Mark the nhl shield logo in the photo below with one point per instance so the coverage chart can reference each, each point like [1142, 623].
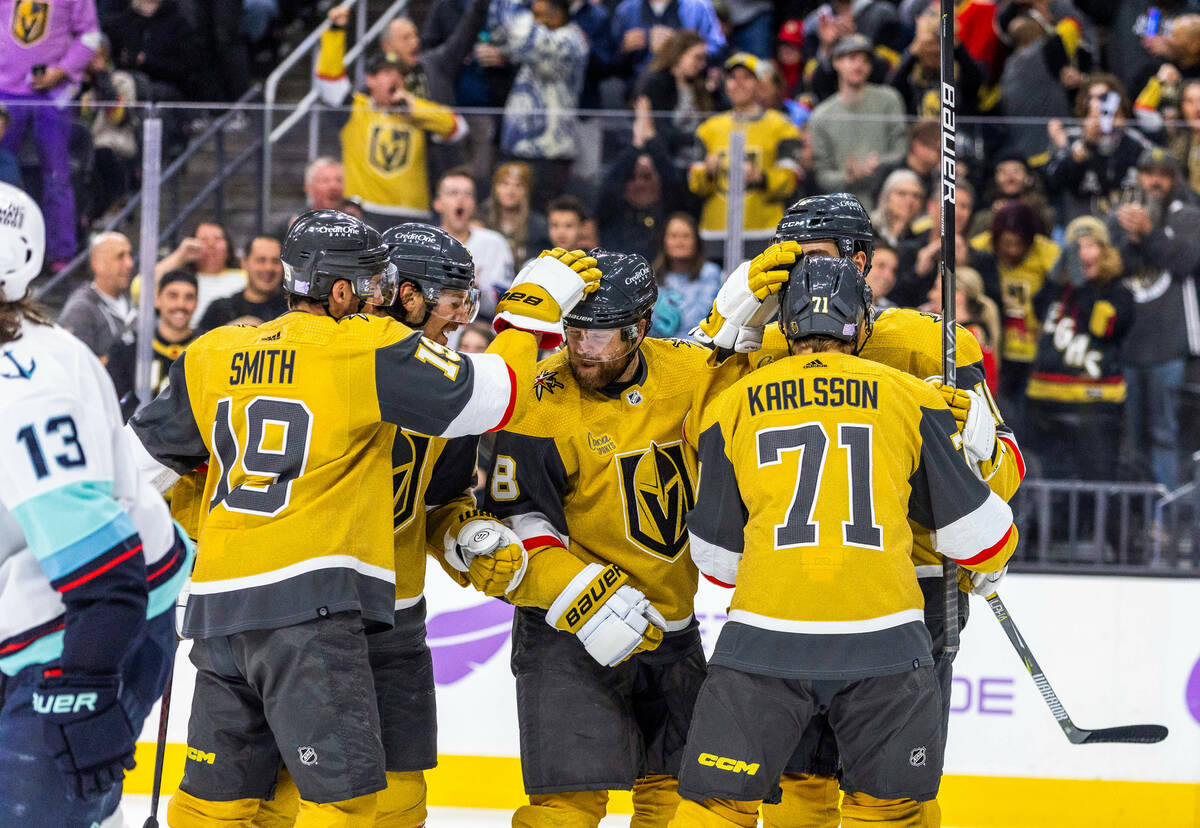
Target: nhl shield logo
[388, 152]
[917, 757]
[308, 756]
[29, 21]
[408, 466]
[657, 493]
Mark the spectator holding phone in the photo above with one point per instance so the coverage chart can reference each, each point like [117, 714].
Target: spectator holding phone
[44, 49]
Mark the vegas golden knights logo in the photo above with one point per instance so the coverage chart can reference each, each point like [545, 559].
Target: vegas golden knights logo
[29, 21]
[389, 148]
[408, 465]
[657, 492]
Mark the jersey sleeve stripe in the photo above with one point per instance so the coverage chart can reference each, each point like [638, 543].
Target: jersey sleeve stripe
[72, 525]
[493, 397]
[541, 540]
[979, 534]
[113, 561]
[1017, 457]
[715, 562]
[991, 550]
[713, 580]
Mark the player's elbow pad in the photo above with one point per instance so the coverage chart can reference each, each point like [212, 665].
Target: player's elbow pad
[982, 540]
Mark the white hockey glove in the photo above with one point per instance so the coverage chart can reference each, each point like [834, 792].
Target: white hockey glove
[748, 300]
[975, 421]
[985, 584]
[487, 552]
[544, 292]
[613, 620]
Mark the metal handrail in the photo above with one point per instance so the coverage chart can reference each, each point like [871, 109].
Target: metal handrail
[194, 146]
[270, 135]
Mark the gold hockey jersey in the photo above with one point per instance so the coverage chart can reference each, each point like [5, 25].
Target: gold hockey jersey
[811, 469]
[772, 144]
[608, 478]
[384, 150]
[290, 417]
[911, 341]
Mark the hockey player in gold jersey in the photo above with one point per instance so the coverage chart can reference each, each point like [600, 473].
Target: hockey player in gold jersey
[296, 557]
[432, 479]
[812, 467]
[837, 225]
[606, 651]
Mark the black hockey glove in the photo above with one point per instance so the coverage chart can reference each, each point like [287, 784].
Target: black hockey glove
[87, 731]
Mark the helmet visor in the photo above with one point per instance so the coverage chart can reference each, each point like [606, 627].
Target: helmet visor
[602, 344]
[456, 305]
[380, 288]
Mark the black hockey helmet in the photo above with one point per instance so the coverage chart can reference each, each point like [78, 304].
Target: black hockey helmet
[824, 296]
[325, 246]
[838, 216]
[439, 265]
[627, 293]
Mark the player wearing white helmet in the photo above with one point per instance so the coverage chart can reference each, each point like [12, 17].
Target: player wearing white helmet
[90, 563]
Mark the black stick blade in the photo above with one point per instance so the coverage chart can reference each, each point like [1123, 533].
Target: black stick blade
[1133, 734]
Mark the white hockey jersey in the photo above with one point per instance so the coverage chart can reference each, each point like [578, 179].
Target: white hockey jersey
[70, 493]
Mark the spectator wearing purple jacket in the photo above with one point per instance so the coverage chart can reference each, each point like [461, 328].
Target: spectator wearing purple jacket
[43, 51]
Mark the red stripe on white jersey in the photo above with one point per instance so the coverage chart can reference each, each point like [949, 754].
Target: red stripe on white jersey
[1012, 446]
[990, 551]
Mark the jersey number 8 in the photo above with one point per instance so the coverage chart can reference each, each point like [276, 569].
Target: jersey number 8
[278, 432]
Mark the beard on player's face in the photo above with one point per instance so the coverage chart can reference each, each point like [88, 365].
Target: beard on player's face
[596, 375]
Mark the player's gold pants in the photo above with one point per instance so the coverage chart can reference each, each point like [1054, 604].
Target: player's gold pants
[654, 801]
[187, 811]
[858, 810]
[809, 801]
[400, 805]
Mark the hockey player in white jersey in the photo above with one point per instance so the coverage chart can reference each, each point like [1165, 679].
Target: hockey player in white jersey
[90, 563]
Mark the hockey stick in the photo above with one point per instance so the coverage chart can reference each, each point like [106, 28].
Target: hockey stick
[949, 330]
[160, 750]
[1143, 734]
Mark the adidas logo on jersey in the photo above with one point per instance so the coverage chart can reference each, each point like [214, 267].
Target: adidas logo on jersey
[816, 363]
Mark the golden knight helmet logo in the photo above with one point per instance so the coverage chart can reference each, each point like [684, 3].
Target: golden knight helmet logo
[29, 21]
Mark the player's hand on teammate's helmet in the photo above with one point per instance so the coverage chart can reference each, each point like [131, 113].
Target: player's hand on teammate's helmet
[738, 314]
[611, 619]
[974, 417]
[580, 262]
[487, 552]
[769, 270]
[545, 290]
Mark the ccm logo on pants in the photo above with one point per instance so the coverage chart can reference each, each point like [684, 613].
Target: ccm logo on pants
[200, 756]
[726, 764]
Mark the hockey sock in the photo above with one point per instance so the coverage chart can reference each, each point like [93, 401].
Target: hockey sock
[860, 809]
[187, 811]
[655, 798]
[716, 813]
[809, 801]
[358, 812]
[571, 809]
[402, 803]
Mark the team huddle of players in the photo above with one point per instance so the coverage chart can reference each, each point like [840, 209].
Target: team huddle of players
[808, 465]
